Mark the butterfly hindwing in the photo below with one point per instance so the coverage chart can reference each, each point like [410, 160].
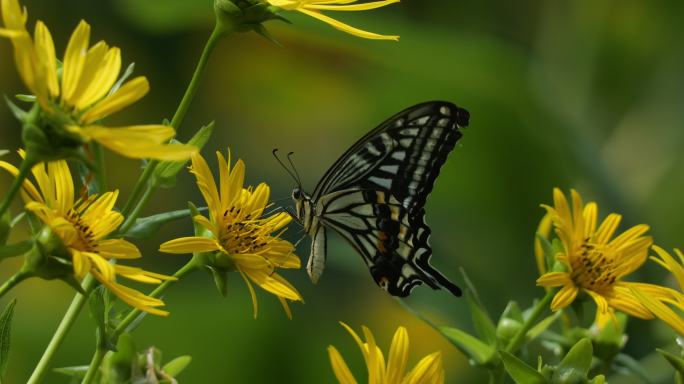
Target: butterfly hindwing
[374, 195]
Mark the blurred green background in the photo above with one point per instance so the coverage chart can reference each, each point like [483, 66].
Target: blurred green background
[579, 94]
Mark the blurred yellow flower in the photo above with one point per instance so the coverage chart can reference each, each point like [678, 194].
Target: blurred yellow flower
[595, 263]
[313, 8]
[83, 226]
[660, 307]
[239, 236]
[88, 91]
[429, 370]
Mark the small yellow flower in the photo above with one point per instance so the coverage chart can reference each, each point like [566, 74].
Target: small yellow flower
[239, 236]
[87, 92]
[313, 8]
[596, 262]
[660, 307]
[429, 370]
[83, 227]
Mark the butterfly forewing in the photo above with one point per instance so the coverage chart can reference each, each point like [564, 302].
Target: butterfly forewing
[375, 193]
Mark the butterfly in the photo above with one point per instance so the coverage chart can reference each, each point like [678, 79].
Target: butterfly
[374, 197]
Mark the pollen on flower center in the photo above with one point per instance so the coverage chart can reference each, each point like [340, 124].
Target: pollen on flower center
[240, 236]
[593, 268]
[85, 239]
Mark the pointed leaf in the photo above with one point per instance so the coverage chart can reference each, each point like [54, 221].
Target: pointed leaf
[5, 227]
[177, 365]
[675, 361]
[520, 372]
[127, 73]
[145, 227]
[483, 323]
[5, 335]
[77, 372]
[166, 171]
[473, 347]
[576, 364]
[18, 113]
[220, 280]
[542, 326]
[512, 311]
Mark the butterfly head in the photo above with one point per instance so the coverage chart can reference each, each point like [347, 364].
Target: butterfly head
[301, 200]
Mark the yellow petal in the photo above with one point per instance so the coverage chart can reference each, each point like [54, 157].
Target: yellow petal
[142, 141]
[255, 306]
[607, 228]
[63, 185]
[661, 311]
[133, 297]
[12, 15]
[117, 249]
[128, 94]
[347, 28]
[29, 191]
[376, 369]
[554, 279]
[340, 368]
[564, 297]
[189, 245]
[398, 356]
[206, 184]
[74, 60]
[352, 7]
[672, 265]
[102, 77]
[428, 370]
[272, 283]
[45, 51]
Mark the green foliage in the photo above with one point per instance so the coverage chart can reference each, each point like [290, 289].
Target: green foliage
[165, 173]
[145, 227]
[521, 372]
[5, 335]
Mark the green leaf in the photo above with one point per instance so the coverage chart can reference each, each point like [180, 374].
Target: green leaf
[220, 279]
[3, 152]
[473, 347]
[520, 372]
[145, 227]
[576, 364]
[512, 311]
[18, 113]
[78, 372]
[26, 98]
[675, 361]
[547, 247]
[5, 335]
[127, 73]
[166, 171]
[5, 227]
[542, 326]
[483, 323]
[177, 365]
[600, 379]
[118, 366]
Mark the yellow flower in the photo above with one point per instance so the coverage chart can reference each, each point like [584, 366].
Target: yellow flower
[595, 262]
[83, 226]
[313, 8]
[660, 307]
[429, 370]
[240, 237]
[88, 90]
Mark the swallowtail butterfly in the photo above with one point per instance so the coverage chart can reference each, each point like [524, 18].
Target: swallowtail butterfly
[374, 196]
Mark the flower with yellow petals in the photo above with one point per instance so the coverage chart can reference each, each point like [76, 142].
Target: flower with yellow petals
[429, 370]
[83, 227]
[595, 263]
[73, 103]
[661, 308]
[314, 9]
[238, 236]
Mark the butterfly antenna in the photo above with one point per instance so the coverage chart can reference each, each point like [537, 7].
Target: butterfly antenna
[289, 159]
[289, 172]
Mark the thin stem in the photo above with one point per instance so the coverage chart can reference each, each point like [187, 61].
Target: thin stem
[100, 174]
[143, 182]
[13, 280]
[24, 170]
[67, 322]
[100, 353]
[133, 314]
[133, 215]
[537, 311]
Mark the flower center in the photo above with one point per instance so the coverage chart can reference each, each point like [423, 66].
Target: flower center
[85, 238]
[593, 267]
[240, 236]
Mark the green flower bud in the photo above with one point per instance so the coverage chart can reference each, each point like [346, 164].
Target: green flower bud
[244, 16]
[507, 329]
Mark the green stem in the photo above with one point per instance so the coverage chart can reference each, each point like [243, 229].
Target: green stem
[12, 281]
[143, 182]
[67, 322]
[100, 175]
[537, 311]
[135, 213]
[24, 170]
[133, 314]
[100, 353]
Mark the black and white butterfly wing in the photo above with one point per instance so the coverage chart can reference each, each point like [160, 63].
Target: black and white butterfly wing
[374, 195]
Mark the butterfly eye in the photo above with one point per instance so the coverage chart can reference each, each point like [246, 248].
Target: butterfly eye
[297, 194]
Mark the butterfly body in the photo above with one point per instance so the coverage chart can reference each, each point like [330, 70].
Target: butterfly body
[374, 197]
